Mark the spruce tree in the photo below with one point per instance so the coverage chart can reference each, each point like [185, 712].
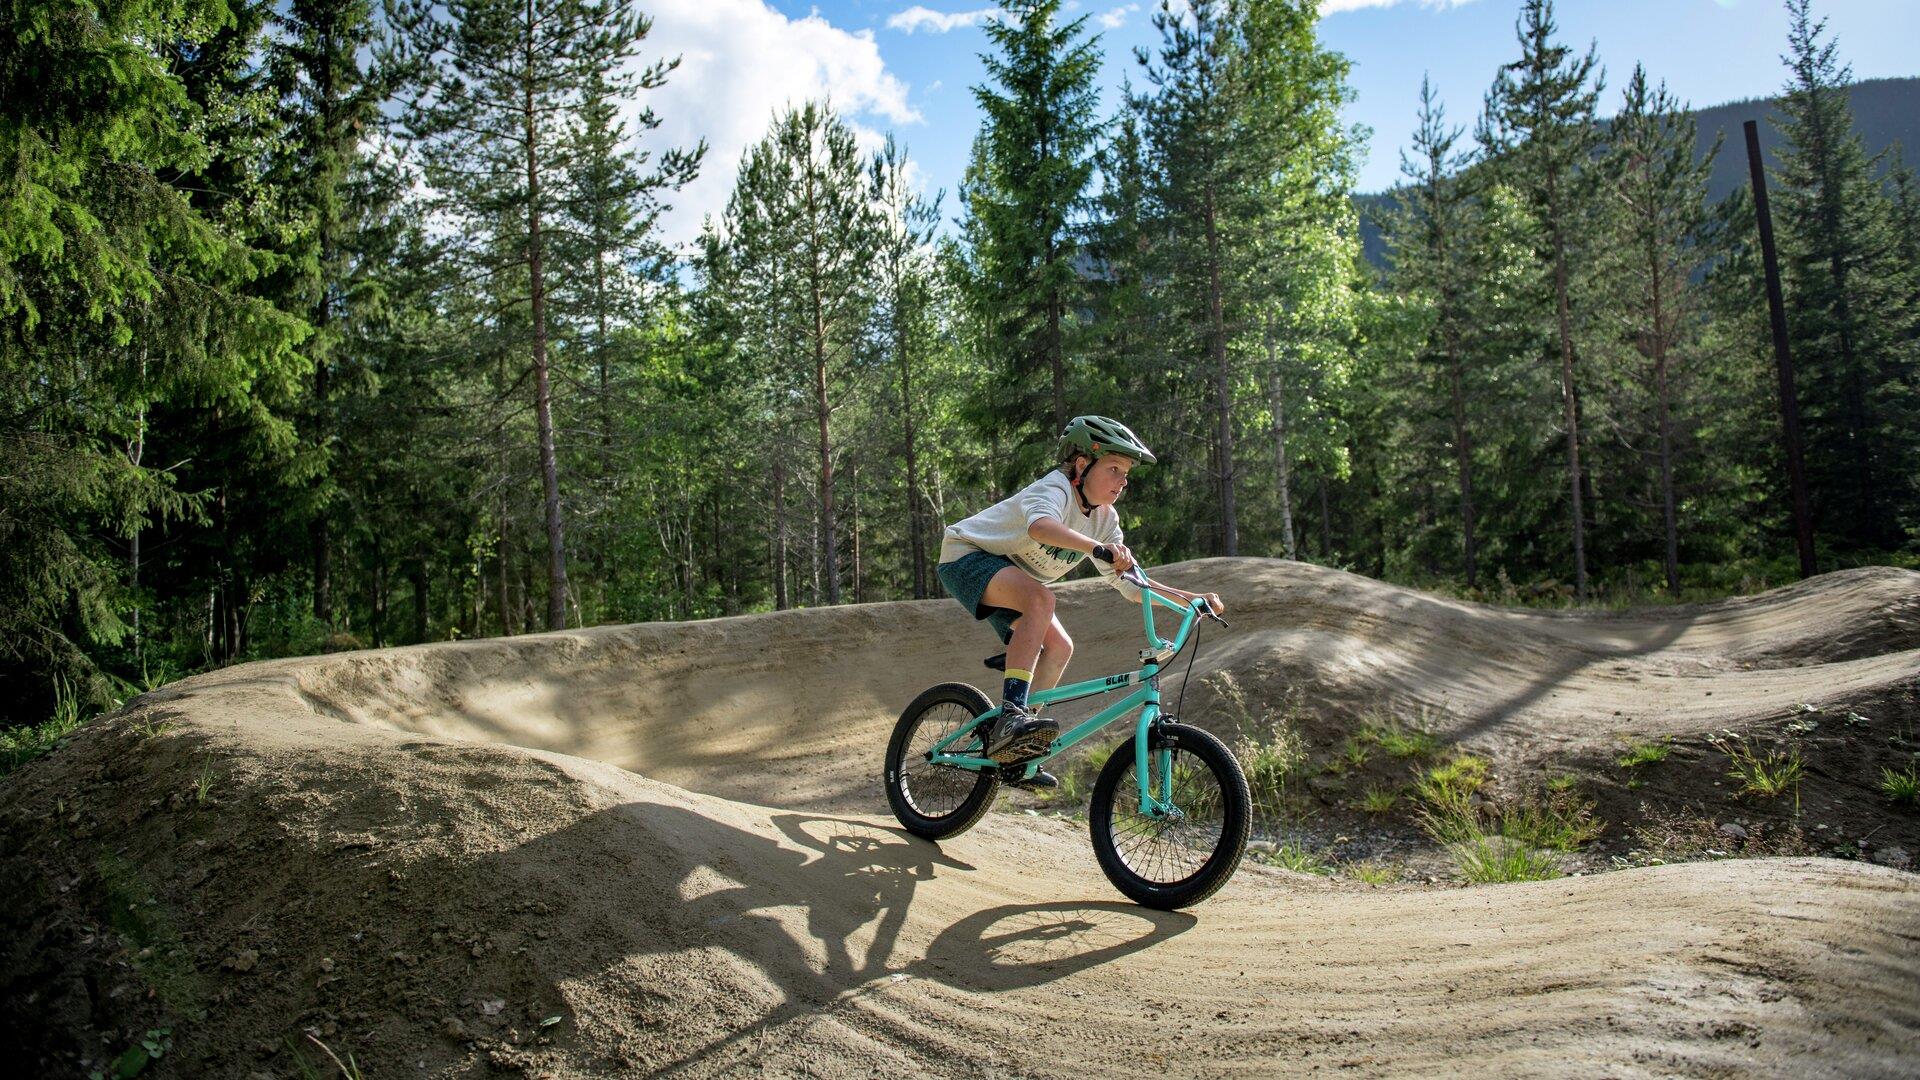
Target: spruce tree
[1023, 197]
[1189, 119]
[116, 294]
[1852, 334]
[905, 275]
[1429, 237]
[329, 102]
[1539, 123]
[1658, 190]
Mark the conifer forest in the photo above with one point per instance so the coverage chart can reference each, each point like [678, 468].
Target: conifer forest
[330, 324]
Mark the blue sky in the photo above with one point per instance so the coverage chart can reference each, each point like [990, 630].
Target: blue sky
[907, 67]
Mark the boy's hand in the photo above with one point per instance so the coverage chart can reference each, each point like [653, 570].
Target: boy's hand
[1213, 603]
[1117, 554]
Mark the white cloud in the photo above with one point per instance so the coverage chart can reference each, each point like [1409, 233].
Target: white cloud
[1335, 7]
[1115, 19]
[741, 62]
[918, 18]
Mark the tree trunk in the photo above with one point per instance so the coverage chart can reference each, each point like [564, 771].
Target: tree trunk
[853, 515]
[321, 542]
[1223, 381]
[780, 599]
[543, 389]
[1277, 404]
[420, 583]
[1570, 408]
[1463, 460]
[916, 539]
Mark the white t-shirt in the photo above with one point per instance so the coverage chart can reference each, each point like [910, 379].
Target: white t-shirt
[1001, 529]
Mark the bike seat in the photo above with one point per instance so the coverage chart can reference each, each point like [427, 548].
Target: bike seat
[997, 663]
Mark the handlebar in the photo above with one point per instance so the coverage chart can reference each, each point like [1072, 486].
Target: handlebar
[1135, 577]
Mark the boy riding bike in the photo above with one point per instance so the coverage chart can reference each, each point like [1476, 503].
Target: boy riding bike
[998, 564]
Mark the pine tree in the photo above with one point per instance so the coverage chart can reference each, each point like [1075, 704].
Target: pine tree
[1189, 119]
[1851, 333]
[904, 272]
[608, 244]
[487, 117]
[1294, 160]
[1027, 186]
[798, 244]
[1539, 122]
[329, 105]
[1429, 237]
[1658, 189]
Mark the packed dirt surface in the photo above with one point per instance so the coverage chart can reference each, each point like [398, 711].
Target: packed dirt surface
[664, 848]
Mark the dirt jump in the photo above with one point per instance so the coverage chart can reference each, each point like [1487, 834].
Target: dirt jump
[664, 849]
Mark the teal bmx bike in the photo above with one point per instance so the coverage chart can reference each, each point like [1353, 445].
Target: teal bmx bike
[1169, 812]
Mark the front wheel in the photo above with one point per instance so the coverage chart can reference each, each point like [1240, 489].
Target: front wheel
[1177, 860]
[938, 801]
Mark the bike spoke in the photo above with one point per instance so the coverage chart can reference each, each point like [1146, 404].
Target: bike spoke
[1166, 850]
[932, 789]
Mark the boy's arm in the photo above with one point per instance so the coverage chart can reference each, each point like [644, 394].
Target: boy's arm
[1053, 531]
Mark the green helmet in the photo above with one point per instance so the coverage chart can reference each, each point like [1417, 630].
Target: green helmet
[1097, 436]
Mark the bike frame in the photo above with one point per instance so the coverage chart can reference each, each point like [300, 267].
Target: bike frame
[1146, 699]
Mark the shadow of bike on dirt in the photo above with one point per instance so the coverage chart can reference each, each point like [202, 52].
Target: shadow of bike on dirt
[814, 909]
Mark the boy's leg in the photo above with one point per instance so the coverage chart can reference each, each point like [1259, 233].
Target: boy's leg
[1011, 588]
[1019, 734]
[1055, 650]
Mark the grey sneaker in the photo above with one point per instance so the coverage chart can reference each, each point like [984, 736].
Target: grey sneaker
[1018, 735]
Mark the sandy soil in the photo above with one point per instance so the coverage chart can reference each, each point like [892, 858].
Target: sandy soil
[672, 838]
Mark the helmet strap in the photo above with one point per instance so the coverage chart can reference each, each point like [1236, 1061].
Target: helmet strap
[1079, 478]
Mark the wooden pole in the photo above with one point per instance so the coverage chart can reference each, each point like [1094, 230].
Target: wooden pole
[1783, 359]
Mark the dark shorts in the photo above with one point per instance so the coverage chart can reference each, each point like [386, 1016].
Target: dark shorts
[966, 580]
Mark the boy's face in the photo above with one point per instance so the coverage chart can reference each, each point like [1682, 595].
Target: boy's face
[1106, 479]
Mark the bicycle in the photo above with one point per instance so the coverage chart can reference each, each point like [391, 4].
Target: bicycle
[1169, 812]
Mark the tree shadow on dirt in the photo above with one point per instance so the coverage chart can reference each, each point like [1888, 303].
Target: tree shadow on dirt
[648, 888]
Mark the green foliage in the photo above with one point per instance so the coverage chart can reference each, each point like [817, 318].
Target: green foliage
[1644, 753]
[1024, 192]
[1371, 873]
[1855, 331]
[251, 404]
[1768, 774]
[1493, 841]
[1398, 738]
[1379, 800]
[1901, 787]
[1300, 860]
[19, 745]
[1496, 859]
[1269, 746]
[132, 1061]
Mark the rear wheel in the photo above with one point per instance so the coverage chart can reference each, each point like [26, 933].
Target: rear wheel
[1176, 860]
[938, 801]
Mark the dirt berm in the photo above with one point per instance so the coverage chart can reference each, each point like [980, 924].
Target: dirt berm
[663, 848]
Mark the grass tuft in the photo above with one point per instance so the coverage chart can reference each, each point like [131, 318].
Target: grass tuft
[22, 744]
[1770, 775]
[1399, 739]
[1496, 859]
[1371, 873]
[1493, 842]
[1646, 753]
[1291, 856]
[1379, 800]
[1270, 748]
[1903, 788]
